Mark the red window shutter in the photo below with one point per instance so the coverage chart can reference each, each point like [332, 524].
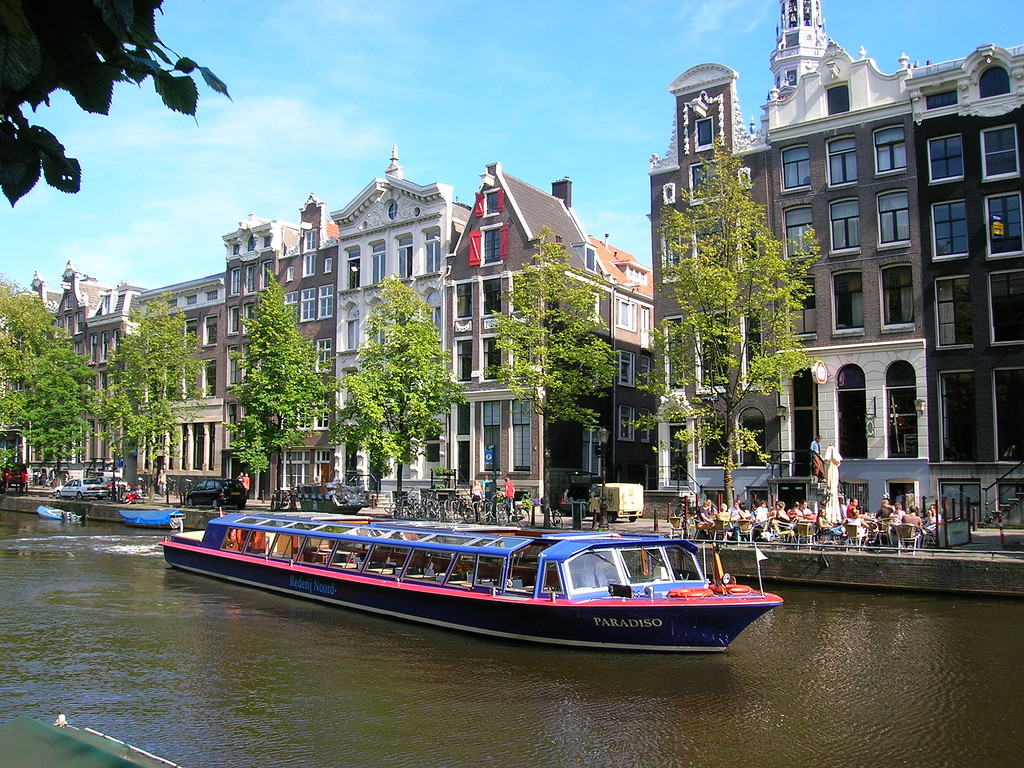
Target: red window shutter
[501, 200]
[504, 241]
[478, 207]
[474, 249]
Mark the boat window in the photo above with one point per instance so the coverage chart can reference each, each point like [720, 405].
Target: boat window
[645, 564]
[350, 555]
[306, 526]
[523, 565]
[386, 559]
[428, 565]
[336, 529]
[683, 564]
[594, 569]
[283, 545]
[315, 550]
[490, 572]
[234, 539]
[462, 571]
[257, 543]
[442, 538]
[552, 579]
[248, 520]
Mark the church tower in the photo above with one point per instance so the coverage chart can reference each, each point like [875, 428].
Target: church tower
[800, 42]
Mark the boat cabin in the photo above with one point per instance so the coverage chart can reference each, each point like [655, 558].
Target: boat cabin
[501, 562]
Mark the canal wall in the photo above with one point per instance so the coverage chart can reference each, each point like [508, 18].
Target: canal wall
[966, 572]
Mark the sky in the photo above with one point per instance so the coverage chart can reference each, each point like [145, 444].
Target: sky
[321, 89]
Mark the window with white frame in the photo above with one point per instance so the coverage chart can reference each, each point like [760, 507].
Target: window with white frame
[191, 300]
[492, 357]
[1007, 288]
[806, 318]
[378, 261]
[627, 417]
[897, 295]
[234, 368]
[326, 301]
[890, 149]
[212, 295]
[492, 245]
[309, 240]
[210, 378]
[290, 298]
[210, 330]
[994, 81]
[250, 278]
[893, 217]
[352, 328]
[433, 251]
[949, 228]
[1009, 407]
[309, 264]
[464, 360]
[295, 467]
[845, 220]
[796, 167]
[354, 264]
[464, 300]
[522, 438]
[328, 265]
[307, 304]
[953, 310]
[405, 256]
[494, 201]
[325, 354]
[625, 314]
[842, 161]
[267, 271]
[268, 240]
[946, 158]
[704, 130]
[627, 371]
[289, 274]
[798, 221]
[236, 281]
[999, 151]
[492, 296]
[848, 301]
[698, 175]
[1004, 231]
[644, 431]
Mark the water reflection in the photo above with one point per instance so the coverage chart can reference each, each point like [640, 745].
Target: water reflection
[213, 674]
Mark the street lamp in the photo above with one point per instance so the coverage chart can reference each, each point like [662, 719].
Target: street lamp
[602, 439]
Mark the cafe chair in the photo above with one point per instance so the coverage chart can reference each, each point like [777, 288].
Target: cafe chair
[804, 531]
[721, 531]
[779, 533]
[746, 530]
[856, 536]
[907, 537]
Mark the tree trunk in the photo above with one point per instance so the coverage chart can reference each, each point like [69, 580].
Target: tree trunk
[399, 469]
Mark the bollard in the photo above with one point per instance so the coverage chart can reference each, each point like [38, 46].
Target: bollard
[1002, 536]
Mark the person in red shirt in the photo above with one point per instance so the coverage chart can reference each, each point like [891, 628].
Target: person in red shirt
[510, 493]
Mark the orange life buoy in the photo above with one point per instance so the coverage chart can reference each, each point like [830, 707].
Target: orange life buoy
[739, 589]
[689, 592]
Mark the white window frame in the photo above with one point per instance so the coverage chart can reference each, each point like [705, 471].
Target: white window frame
[307, 305]
[890, 150]
[935, 234]
[309, 264]
[625, 428]
[985, 154]
[326, 301]
[832, 225]
[785, 165]
[934, 142]
[843, 155]
[894, 216]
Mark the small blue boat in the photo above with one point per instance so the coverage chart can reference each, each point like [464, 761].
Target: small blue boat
[172, 519]
[52, 513]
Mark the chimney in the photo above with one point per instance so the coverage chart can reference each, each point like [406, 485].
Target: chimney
[562, 189]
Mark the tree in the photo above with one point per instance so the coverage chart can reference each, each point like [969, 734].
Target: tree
[82, 47]
[403, 383]
[283, 391]
[553, 357]
[152, 382]
[26, 329]
[736, 291]
[58, 395]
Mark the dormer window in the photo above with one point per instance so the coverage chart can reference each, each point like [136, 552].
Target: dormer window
[495, 201]
[251, 244]
[994, 81]
[838, 99]
[705, 130]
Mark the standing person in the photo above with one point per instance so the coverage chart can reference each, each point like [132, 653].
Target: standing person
[510, 493]
[476, 496]
[245, 481]
[161, 483]
[817, 465]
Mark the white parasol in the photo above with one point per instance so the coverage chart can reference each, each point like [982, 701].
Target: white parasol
[832, 461]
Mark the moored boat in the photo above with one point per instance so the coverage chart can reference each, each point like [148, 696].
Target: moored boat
[52, 513]
[153, 518]
[595, 590]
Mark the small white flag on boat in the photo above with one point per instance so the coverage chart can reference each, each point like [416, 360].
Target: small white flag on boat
[759, 554]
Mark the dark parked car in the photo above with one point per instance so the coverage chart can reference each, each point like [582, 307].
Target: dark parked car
[217, 492]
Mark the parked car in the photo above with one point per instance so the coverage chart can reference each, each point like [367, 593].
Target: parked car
[217, 492]
[86, 488]
[15, 478]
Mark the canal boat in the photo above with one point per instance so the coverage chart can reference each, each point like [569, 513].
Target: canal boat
[52, 513]
[153, 518]
[581, 589]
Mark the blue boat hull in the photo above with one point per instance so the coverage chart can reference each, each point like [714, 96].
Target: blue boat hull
[708, 624]
[150, 518]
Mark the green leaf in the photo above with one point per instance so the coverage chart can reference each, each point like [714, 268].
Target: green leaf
[214, 82]
[178, 93]
[20, 61]
[185, 65]
[17, 179]
[64, 173]
[92, 86]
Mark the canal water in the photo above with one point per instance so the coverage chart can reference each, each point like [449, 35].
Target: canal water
[211, 675]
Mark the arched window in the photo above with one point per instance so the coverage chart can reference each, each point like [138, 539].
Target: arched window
[753, 420]
[901, 409]
[852, 405]
[352, 328]
[994, 81]
[434, 302]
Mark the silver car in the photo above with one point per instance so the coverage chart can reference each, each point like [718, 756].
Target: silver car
[86, 488]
